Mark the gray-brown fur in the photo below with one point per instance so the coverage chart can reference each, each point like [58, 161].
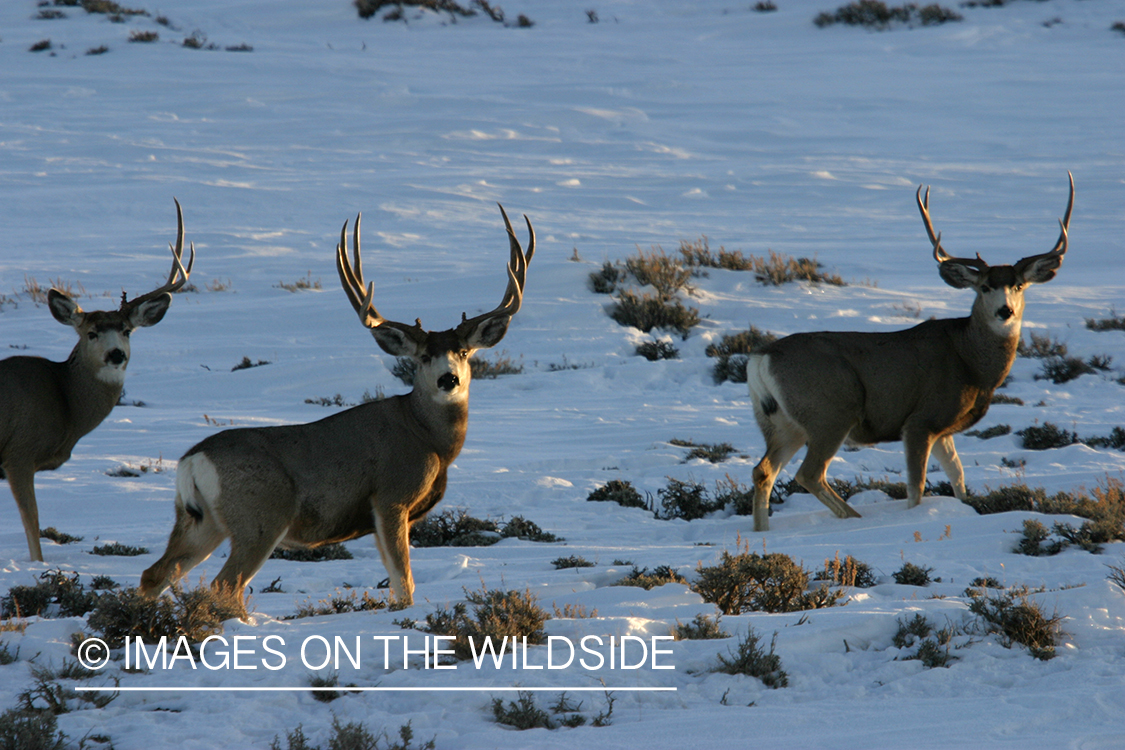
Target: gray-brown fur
[375, 468]
[46, 407]
[921, 385]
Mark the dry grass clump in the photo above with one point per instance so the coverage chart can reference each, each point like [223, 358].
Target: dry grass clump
[1017, 618]
[702, 628]
[752, 660]
[642, 578]
[57, 594]
[495, 614]
[847, 572]
[749, 582]
[195, 613]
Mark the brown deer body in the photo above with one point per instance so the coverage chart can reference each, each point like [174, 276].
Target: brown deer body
[921, 385]
[375, 468]
[46, 407]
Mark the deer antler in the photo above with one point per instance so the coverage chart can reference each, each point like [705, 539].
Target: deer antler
[939, 252]
[178, 276]
[1059, 249]
[351, 278]
[517, 273]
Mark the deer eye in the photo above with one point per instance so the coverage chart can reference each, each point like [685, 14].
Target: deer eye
[463, 353]
[1017, 288]
[426, 359]
[92, 335]
[126, 333]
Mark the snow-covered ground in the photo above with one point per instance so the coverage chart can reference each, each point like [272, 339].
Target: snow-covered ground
[662, 122]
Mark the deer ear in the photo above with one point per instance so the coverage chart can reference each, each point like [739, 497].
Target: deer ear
[63, 308]
[150, 312]
[958, 275]
[395, 342]
[488, 333]
[1039, 269]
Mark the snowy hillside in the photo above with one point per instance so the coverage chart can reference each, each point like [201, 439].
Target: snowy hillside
[615, 127]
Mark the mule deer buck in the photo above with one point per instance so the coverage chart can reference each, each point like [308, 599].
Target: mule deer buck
[378, 467]
[46, 407]
[919, 386]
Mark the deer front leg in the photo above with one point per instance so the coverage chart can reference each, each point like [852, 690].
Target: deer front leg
[946, 455]
[22, 481]
[392, 537]
[918, 444]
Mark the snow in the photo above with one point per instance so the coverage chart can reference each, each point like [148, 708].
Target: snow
[663, 122]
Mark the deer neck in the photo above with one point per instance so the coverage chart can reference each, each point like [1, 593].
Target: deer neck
[443, 424]
[988, 349]
[89, 398]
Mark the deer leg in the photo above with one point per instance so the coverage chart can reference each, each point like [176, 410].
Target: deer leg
[918, 445]
[392, 537]
[191, 542]
[946, 455]
[812, 474]
[22, 481]
[249, 550]
[779, 452]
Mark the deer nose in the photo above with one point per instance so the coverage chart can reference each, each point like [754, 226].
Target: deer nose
[1005, 312]
[115, 357]
[448, 381]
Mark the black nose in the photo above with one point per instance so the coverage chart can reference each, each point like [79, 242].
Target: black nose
[1005, 312]
[448, 381]
[115, 357]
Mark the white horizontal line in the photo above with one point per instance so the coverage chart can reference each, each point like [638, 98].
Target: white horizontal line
[341, 688]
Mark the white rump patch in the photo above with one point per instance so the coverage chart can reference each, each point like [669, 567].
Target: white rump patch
[198, 472]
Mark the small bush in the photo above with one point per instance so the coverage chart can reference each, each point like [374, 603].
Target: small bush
[751, 582]
[646, 312]
[1061, 370]
[55, 590]
[659, 576]
[667, 275]
[21, 729]
[522, 713]
[1000, 398]
[454, 528]
[496, 614]
[728, 492]
[573, 561]
[1016, 618]
[194, 613]
[618, 491]
[1045, 437]
[686, 500]
[334, 551]
[781, 269]
[874, 14]
[913, 575]
[518, 527]
[341, 604]
[732, 351]
[932, 652]
[702, 628]
[483, 369]
[657, 350]
[1114, 322]
[606, 280]
[247, 363]
[751, 660]
[101, 49]
[58, 537]
[991, 432]
[1040, 347]
[1036, 540]
[40, 46]
[712, 452]
[1115, 440]
[847, 572]
[117, 549]
[143, 36]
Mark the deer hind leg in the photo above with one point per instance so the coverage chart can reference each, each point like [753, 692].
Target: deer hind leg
[248, 553]
[946, 455]
[22, 481]
[782, 443]
[813, 471]
[392, 537]
[194, 537]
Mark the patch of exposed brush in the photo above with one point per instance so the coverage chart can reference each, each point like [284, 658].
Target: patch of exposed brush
[775, 269]
[749, 582]
[1114, 322]
[1045, 437]
[656, 350]
[1017, 618]
[647, 580]
[645, 312]
[324, 552]
[56, 594]
[712, 452]
[877, 15]
[621, 492]
[193, 613]
[58, 537]
[572, 561]
[932, 645]
[732, 352]
[685, 500]
[341, 603]
[456, 528]
[702, 628]
[750, 659]
[500, 364]
[1040, 346]
[847, 572]
[991, 432]
[353, 735]
[495, 616]
[914, 575]
[1061, 370]
[659, 309]
[524, 713]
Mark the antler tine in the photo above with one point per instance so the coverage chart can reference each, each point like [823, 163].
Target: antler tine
[1064, 223]
[517, 274]
[935, 237]
[179, 275]
[351, 279]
